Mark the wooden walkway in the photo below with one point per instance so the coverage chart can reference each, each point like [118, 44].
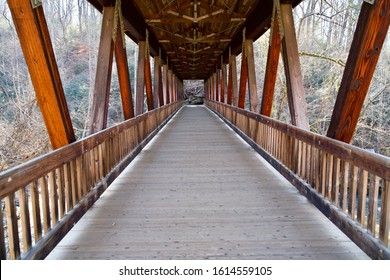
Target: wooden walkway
[197, 191]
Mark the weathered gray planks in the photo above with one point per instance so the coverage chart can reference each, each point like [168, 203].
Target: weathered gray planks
[198, 192]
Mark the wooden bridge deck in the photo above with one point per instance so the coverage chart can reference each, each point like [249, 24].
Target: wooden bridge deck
[197, 191]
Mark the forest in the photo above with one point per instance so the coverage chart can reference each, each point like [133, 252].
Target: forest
[324, 29]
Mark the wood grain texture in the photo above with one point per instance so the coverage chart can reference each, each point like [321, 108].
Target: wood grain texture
[252, 86]
[292, 67]
[271, 69]
[148, 84]
[140, 88]
[36, 45]
[243, 82]
[101, 92]
[370, 33]
[124, 77]
[188, 196]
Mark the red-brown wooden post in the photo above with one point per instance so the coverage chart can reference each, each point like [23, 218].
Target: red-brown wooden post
[243, 81]
[292, 66]
[148, 83]
[254, 99]
[371, 30]
[140, 89]
[38, 51]
[223, 83]
[271, 69]
[123, 76]
[170, 83]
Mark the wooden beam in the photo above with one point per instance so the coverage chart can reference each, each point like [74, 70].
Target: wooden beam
[166, 83]
[158, 83]
[254, 99]
[292, 67]
[123, 76]
[243, 82]
[371, 30]
[140, 89]
[233, 78]
[148, 84]
[223, 83]
[271, 69]
[101, 93]
[36, 45]
[170, 84]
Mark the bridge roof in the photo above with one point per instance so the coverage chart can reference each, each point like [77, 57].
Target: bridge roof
[194, 34]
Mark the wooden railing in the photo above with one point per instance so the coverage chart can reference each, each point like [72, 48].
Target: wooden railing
[349, 185]
[42, 199]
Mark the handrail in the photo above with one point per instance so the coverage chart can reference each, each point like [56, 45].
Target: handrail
[337, 177]
[53, 191]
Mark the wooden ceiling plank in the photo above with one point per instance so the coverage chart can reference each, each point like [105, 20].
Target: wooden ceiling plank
[36, 45]
[371, 30]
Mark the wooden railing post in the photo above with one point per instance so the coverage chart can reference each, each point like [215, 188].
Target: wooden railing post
[140, 89]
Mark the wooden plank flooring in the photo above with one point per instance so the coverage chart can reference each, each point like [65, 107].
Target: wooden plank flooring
[197, 191]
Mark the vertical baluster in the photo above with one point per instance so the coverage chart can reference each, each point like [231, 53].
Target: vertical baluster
[323, 173]
[336, 180]
[53, 197]
[61, 191]
[85, 173]
[101, 161]
[79, 172]
[299, 167]
[313, 165]
[303, 160]
[74, 178]
[36, 211]
[353, 192]
[3, 249]
[67, 187]
[384, 225]
[344, 191]
[45, 204]
[373, 203]
[25, 219]
[12, 227]
[329, 176]
[317, 171]
[361, 211]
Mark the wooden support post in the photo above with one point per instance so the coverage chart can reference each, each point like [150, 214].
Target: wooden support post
[148, 84]
[233, 61]
[101, 93]
[217, 85]
[271, 69]
[292, 66]
[165, 84]
[170, 75]
[38, 51]
[140, 89]
[223, 83]
[158, 83]
[254, 99]
[123, 76]
[243, 81]
[371, 30]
